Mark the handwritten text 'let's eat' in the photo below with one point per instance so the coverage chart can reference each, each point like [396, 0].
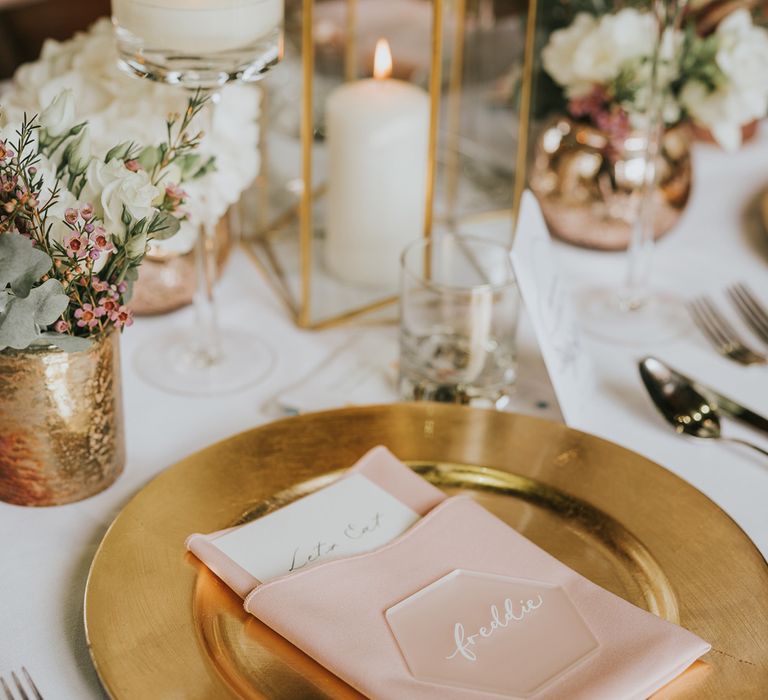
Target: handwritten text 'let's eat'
[302, 556]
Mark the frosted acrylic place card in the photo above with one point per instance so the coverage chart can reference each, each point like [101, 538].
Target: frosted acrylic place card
[553, 318]
[487, 632]
[351, 516]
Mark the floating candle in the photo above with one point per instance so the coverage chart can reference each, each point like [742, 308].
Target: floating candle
[198, 26]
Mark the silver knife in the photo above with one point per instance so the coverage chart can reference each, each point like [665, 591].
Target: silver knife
[730, 407]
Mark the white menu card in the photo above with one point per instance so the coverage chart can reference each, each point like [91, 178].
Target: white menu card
[351, 516]
[548, 302]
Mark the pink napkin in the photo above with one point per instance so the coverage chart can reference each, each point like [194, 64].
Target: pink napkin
[462, 606]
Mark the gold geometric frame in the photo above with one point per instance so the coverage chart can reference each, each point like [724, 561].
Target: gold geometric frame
[259, 247]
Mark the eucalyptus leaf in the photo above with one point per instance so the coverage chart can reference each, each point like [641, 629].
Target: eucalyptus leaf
[164, 225]
[149, 158]
[128, 290]
[21, 264]
[67, 343]
[23, 317]
[189, 164]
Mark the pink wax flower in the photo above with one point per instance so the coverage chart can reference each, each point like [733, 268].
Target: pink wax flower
[86, 211]
[109, 306]
[87, 316]
[76, 245]
[61, 326]
[615, 122]
[122, 317]
[116, 290]
[70, 216]
[133, 165]
[590, 104]
[101, 240]
[175, 195]
[99, 285]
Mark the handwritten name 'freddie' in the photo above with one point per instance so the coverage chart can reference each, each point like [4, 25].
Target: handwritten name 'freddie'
[465, 643]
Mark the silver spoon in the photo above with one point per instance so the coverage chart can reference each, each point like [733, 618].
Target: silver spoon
[685, 409]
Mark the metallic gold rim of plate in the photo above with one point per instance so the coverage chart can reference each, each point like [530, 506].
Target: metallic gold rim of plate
[158, 624]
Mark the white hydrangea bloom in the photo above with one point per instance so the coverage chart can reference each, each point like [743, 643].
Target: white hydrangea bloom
[563, 44]
[593, 51]
[120, 108]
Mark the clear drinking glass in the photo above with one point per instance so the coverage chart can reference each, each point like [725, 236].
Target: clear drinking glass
[459, 309]
[200, 45]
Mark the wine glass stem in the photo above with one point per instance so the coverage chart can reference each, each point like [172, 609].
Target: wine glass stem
[209, 337]
[642, 243]
[668, 15]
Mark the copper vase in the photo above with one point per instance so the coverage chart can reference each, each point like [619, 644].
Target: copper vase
[62, 434]
[589, 185]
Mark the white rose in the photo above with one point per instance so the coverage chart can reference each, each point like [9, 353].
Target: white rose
[742, 96]
[723, 111]
[557, 55]
[112, 187]
[742, 53]
[59, 116]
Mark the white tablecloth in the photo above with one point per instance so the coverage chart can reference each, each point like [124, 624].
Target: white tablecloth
[45, 553]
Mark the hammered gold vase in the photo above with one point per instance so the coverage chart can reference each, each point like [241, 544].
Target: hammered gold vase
[589, 186]
[62, 435]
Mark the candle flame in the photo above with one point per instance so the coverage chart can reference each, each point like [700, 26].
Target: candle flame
[382, 60]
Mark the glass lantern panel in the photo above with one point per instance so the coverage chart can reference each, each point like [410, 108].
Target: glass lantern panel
[480, 121]
[367, 154]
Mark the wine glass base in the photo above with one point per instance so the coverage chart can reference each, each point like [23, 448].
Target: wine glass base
[177, 363]
[661, 317]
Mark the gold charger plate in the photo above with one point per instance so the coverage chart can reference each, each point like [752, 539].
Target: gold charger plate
[159, 625]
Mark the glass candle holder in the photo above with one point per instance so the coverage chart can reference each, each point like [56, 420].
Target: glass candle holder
[198, 43]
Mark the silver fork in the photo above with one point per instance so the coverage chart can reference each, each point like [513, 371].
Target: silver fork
[22, 694]
[751, 310]
[722, 334]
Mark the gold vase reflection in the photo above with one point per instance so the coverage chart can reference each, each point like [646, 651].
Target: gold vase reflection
[61, 423]
[589, 185]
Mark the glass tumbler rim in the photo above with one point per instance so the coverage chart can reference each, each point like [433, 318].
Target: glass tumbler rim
[406, 270]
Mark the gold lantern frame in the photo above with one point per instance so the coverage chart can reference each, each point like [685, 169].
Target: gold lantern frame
[302, 213]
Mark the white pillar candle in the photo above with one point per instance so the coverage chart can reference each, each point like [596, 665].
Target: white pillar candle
[198, 26]
[377, 133]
